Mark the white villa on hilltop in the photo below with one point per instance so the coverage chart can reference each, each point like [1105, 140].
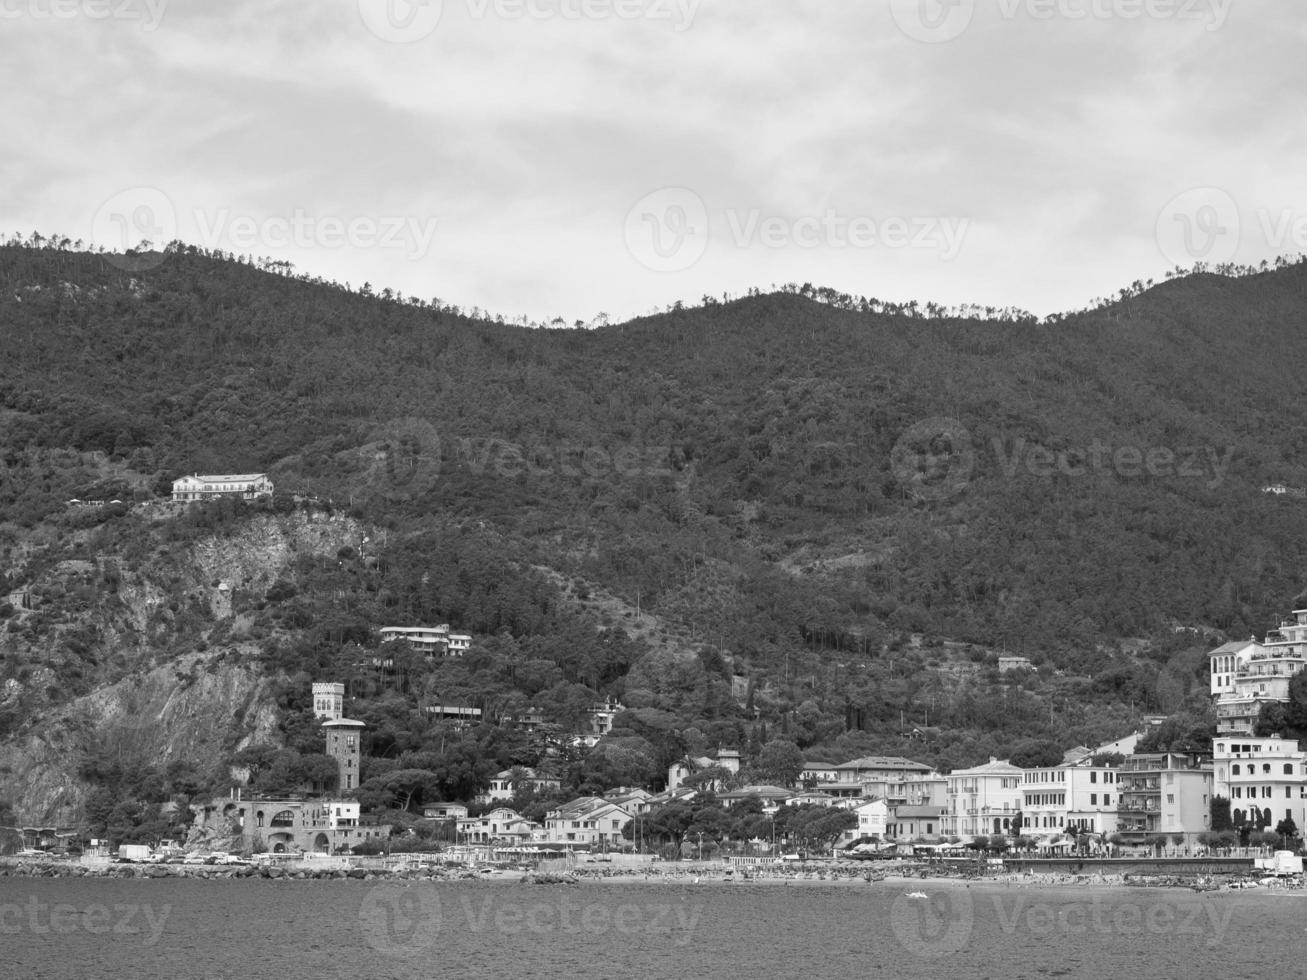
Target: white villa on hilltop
[244, 485]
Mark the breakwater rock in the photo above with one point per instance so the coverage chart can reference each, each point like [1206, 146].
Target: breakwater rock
[56, 869]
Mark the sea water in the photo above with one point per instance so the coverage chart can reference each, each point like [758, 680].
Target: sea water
[321, 930]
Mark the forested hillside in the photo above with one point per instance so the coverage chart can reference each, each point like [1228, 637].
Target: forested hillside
[763, 517]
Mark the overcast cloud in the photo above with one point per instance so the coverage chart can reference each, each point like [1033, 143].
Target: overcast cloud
[565, 157]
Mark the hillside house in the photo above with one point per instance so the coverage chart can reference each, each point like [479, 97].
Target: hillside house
[432, 641]
[247, 486]
[725, 759]
[502, 786]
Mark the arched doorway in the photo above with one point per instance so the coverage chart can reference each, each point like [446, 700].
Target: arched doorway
[321, 844]
[280, 843]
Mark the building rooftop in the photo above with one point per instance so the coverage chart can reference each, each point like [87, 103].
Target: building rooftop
[226, 477]
[883, 762]
[992, 767]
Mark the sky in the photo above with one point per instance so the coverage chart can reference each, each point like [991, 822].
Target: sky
[571, 158]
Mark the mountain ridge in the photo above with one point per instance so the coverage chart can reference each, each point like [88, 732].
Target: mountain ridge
[811, 498]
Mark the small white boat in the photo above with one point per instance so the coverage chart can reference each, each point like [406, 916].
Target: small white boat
[915, 895]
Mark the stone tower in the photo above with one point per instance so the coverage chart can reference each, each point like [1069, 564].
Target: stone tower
[342, 736]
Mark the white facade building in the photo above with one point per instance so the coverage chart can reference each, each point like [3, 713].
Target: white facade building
[328, 701]
[206, 487]
[1261, 774]
[433, 641]
[1056, 799]
[983, 800]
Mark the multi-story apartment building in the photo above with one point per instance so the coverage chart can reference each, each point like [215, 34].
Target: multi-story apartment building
[918, 789]
[1246, 674]
[1265, 779]
[983, 800]
[587, 820]
[1163, 793]
[500, 825]
[872, 775]
[1058, 799]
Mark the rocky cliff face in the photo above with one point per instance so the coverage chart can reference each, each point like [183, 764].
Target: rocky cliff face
[193, 708]
[175, 670]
